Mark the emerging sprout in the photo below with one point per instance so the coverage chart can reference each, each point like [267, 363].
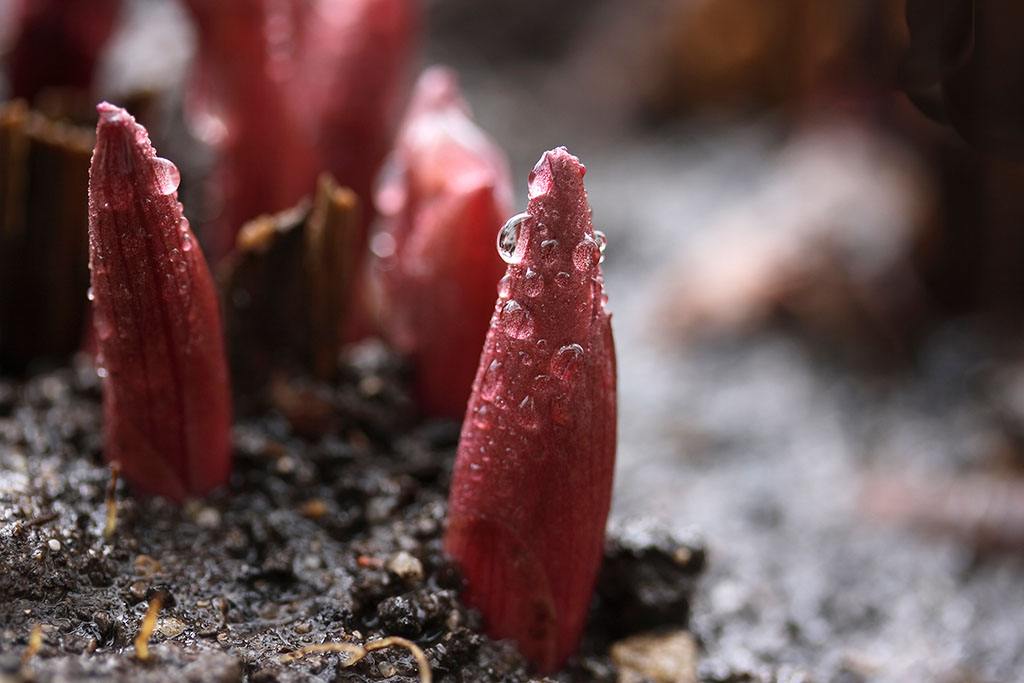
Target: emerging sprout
[445, 190]
[166, 403]
[533, 476]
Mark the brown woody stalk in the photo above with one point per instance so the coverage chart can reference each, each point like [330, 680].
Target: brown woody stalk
[286, 288]
[44, 175]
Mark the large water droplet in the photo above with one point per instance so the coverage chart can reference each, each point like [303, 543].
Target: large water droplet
[566, 362]
[586, 254]
[602, 243]
[492, 382]
[504, 286]
[549, 251]
[90, 295]
[533, 283]
[167, 176]
[516, 321]
[527, 415]
[508, 239]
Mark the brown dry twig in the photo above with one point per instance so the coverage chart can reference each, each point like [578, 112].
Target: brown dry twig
[111, 501]
[35, 641]
[357, 652]
[146, 629]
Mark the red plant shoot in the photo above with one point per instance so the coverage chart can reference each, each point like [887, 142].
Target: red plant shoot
[58, 43]
[533, 476]
[284, 89]
[444, 191]
[240, 101]
[166, 402]
[355, 60]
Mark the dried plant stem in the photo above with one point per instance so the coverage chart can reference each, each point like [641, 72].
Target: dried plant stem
[147, 626]
[35, 641]
[111, 502]
[357, 652]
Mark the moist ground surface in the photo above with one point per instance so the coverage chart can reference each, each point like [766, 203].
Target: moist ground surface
[330, 531]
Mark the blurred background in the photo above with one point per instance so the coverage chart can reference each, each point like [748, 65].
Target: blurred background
[815, 221]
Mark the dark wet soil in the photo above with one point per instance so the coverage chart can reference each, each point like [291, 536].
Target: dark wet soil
[331, 531]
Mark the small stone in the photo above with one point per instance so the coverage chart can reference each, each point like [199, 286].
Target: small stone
[208, 518]
[170, 627]
[146, 565]
[138, 591]
[405, 566]
[54, 545]
[658, 658]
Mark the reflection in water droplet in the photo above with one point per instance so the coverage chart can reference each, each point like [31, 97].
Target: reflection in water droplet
[549, 251]
[516, 321]
[586, 254]
[504, 286]
[90, 295]
[492, 381]
[562, 279]
[482, 416]
[167, 176]
[382, 245]
[566, 362]
[527, 414]
[602, 243]
[508, 239]
[542, 344]
[533, 283]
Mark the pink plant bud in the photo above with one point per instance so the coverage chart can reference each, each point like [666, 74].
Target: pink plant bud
[57, 43]
[244, 100]
[533, 476]
[445, 191]
[166, 403]
[355, 60]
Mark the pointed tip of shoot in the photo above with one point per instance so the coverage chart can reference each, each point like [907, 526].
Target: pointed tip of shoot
[166, 404]
[532, 482]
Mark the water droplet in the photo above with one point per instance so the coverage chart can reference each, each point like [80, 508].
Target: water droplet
[90, 295]
[516, 321]
[563, 279]
[482, 416]
[186, 242]
[101, 372]
[508, 239]
[527, 414]
[167, 176]
[586, 254]
[525, 358]
[566, 362]
[383, 245]
[542, 344]
[533, 283]
[602, 243]
[504, 286]
[492, 382]
[549, 251]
